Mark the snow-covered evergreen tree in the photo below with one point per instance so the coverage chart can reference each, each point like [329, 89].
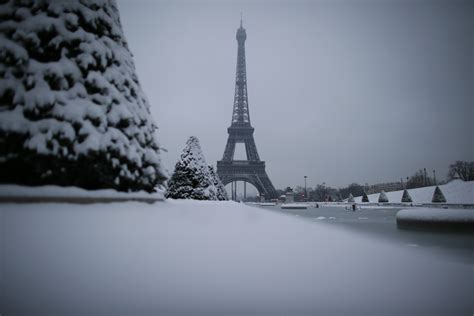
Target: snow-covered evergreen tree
[365, 198]
[406, 198]
[438, 196]
[383, 197]
[350, 199]
[221, 191]
[72, 111]
[191, 178]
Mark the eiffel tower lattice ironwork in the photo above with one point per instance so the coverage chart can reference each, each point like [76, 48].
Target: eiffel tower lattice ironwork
[251, 170]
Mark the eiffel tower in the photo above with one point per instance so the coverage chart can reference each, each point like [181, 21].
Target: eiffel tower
[251, 170]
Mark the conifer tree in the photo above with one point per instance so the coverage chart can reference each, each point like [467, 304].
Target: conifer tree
[191, 178]
[221, 191]
[72, 109]
[406, 198]
[350, 198]
[365, 198]
[383, 197]
[438, 196]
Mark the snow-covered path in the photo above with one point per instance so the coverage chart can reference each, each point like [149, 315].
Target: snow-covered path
[188, 257]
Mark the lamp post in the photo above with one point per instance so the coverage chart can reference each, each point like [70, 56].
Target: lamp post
[305, 197]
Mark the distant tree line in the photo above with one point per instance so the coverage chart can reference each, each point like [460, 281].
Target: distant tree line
[324, 193]
[419, 179]
[459, 170]
[463, 170]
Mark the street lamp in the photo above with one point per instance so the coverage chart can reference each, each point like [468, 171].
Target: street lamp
[425, 178]
[305, 197]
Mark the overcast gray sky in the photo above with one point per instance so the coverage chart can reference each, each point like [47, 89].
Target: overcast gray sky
[340, 91]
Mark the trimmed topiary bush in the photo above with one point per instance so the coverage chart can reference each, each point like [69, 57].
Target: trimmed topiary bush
[406, 198]
[383, 197]
[192, 178]
[72, 111]
[220, 188]
[438, 196]
[365, 198]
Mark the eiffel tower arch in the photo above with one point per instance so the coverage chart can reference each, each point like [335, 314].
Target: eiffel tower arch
[251, 170]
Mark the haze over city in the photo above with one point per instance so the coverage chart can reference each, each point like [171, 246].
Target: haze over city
[345, 91]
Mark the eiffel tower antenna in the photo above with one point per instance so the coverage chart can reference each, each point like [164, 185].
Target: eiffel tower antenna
[251, 170]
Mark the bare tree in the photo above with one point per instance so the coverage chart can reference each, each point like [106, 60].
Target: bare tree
[419, 179]
[463, 170]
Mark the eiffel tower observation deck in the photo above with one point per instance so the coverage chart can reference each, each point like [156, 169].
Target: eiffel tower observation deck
[251, 170]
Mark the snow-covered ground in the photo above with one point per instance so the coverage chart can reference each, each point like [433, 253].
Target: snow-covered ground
[188, 257]
[456, 191]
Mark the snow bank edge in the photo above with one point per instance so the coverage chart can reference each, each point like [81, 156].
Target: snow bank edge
[10, 193]
[436, 219]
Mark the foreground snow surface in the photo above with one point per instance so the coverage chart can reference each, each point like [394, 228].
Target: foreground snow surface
[455, 191]
[188, 257]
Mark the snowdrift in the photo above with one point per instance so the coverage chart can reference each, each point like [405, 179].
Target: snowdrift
[436, 218]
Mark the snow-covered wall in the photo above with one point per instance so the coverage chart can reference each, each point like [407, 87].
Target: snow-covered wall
[456, 191]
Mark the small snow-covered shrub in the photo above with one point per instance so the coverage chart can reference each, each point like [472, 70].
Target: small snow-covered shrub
[383, 197]
[438, 196]
[406, 198]
[72, 111]
[192, 178]
[221, 191]
[350, 198]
